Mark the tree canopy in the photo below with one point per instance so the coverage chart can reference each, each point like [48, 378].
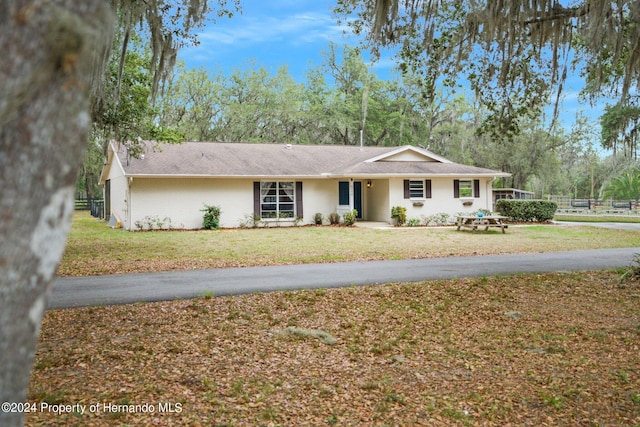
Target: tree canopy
[625, 186]
[515, 54]
[169, 26]
[620, 125]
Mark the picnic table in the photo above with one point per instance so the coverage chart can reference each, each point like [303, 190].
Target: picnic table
[473, 222]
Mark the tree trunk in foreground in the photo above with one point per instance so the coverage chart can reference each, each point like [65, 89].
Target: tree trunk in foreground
[51, 50]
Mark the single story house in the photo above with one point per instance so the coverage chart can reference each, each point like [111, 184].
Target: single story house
[285, 183]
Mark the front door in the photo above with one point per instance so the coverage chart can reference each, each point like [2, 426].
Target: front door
[357, 198]
[343, 196]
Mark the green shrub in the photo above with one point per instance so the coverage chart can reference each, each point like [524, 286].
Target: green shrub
[400, 214]
[153, 223]
[350, 217]
[442, 218]
[317, 218]
[633, 271]
[527, 210]
[334, 218]
[250, 221]
[414, 222]
[211, 217]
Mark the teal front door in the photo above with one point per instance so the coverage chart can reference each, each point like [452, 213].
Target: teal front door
[357, 198]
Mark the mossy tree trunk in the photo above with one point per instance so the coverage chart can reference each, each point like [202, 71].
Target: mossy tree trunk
[51, 53]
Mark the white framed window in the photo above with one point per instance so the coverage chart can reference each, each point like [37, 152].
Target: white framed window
[277, 199]
[416, 189]
[466, 188]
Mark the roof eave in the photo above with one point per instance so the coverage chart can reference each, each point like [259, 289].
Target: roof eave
[424, 175]
[323, 175]
[209, 176]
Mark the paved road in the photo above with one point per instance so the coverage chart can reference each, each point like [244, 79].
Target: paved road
[130, 288]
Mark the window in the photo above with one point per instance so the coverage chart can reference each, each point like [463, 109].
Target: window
[416, 189]
[466, 188]
[277, 200]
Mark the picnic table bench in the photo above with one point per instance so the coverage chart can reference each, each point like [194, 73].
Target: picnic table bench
[473, 222]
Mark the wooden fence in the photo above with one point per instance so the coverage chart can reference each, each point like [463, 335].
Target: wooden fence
[589, 206]
[95, 206]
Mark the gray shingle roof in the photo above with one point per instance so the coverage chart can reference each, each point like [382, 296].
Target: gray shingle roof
[217, 159]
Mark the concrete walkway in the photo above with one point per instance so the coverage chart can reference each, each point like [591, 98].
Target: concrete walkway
[131, 288]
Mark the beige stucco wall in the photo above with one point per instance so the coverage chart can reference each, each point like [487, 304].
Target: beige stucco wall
[377, 207]
[181, 199]
[442, 200]
[119, 193]
[319, 196]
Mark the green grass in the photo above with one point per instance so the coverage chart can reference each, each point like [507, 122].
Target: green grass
[598, 218]
[94, 248]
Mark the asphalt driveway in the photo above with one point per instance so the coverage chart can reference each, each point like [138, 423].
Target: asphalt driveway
[130, 288]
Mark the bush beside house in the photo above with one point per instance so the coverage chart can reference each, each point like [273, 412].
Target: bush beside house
[211, 217]
[527, 210]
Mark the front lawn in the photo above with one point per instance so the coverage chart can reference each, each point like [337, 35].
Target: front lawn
[94, 248]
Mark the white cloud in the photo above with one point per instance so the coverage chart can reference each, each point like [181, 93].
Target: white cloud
[300, 28]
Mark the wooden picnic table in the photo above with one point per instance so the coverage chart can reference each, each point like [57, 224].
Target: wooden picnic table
[473, 222]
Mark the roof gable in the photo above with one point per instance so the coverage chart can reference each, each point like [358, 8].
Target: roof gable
[408, 153]
[110, 162]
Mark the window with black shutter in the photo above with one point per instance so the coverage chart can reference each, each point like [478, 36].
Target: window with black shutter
[277, 199]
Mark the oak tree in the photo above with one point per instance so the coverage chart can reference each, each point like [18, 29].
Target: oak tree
[515, 54]
[54, 53]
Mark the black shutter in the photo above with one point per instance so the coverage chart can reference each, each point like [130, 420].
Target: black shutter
[256, 198]
[406, 189]
[476, 188]
[299, 212]
[107, 200]
[427, 189]
[343, 193]
[456, 188]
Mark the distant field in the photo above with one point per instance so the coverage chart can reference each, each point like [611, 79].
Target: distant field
[94, 248]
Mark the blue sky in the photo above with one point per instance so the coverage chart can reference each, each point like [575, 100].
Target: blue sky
[273, 33]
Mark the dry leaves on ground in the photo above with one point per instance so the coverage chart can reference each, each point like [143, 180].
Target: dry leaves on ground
[553, 349]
